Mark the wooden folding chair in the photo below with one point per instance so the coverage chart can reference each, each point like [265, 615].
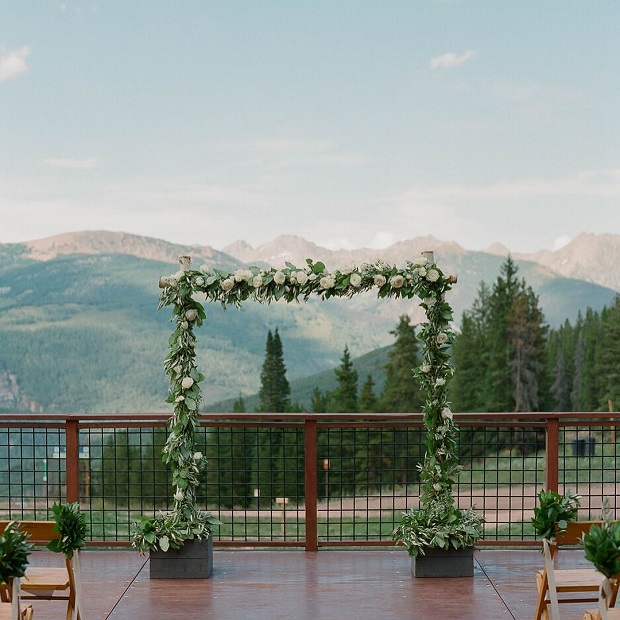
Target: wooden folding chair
[47, 582]
[604, 612]
[573, 583]
[11, 607]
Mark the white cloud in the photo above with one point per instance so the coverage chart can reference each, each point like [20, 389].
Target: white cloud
[76, 164]
[450, 61]
[13, 63]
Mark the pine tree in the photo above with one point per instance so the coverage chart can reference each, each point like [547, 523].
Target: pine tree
[344, 397]
[401, 393]
[470, 356]
[275, 389]
[607, 360]
[368, 402]
[277, 470]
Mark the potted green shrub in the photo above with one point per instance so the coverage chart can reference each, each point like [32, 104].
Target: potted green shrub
[554, 512]
[14, 552]
[602, 544]
[72, 527]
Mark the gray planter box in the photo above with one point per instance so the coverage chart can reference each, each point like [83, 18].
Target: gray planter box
[193, 561]
[444, 563]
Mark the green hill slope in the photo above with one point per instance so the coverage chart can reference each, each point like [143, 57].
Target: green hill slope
[81, 332]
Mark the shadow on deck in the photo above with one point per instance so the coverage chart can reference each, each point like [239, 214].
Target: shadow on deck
[328, 585]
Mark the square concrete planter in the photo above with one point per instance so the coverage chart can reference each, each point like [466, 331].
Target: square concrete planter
[194, 560]
[444, 563]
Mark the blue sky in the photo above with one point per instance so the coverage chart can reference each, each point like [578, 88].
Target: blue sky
[349, 122]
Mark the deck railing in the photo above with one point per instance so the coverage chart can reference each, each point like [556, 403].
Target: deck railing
[303, 480]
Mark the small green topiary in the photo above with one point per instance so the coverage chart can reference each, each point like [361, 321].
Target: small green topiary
[14, 552]
[71, 525]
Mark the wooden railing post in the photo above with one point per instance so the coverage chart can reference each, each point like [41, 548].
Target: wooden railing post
[552, 454]
[311, 484]
[72, 460]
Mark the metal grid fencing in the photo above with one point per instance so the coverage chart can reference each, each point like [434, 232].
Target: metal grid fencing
[275, 482]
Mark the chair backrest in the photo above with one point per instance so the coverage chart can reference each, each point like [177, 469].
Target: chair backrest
[554, 605]
[575, 532]
[41, 532]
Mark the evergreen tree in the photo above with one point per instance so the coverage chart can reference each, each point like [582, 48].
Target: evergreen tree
[401, 393]
[607, 358]
[368, 402]
[275, 390]
[504, 338]
[277, 471]
[344, 397]
[471, 357]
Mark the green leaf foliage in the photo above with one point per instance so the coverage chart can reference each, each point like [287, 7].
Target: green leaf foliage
[602, 545]
[72, 527]
[554, 512]
[14, 552]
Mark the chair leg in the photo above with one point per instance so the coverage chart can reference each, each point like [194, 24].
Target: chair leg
[541, 605]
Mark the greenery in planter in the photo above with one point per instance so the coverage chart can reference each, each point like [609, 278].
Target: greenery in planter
[72, 527]
[437, 523]
[602, 544]
[14, 552]
[554, 512]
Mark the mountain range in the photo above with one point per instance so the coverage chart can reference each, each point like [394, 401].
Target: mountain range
[79, 329]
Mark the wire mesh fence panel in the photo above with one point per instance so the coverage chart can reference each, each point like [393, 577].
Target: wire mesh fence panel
[32, 471]
[503, 470]
[589, 459]
[367, 478]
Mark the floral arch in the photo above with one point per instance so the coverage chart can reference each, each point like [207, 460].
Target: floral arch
[420, 278]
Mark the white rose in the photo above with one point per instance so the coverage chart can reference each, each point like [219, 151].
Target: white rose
[442, 338]
[397, 281]
[187, 383]
[421, 261]
[432, 275]
[437, 487]
[239, 275]
[355, 280]
[197, 456]
[257, 281]
[172, 282]
[440, 381]
[425, 368]
[191, 314]
[302, 277]
[179, 399]
[179, 495]
[446, 413]
[347, 269]
[227, 284]
[184, 325]
[430, 301]
[279, 278]
[327, 282]
[379, 280]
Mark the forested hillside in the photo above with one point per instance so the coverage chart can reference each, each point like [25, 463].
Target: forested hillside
[79, 329]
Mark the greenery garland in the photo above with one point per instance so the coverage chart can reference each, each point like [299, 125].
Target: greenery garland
[419, 278]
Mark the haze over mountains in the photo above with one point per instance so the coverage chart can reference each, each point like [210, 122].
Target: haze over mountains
[79, 329]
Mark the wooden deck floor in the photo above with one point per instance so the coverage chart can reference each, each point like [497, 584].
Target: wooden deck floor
[328, 585]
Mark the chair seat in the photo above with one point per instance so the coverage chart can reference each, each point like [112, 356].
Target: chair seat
[41, 581]
[6, 612]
